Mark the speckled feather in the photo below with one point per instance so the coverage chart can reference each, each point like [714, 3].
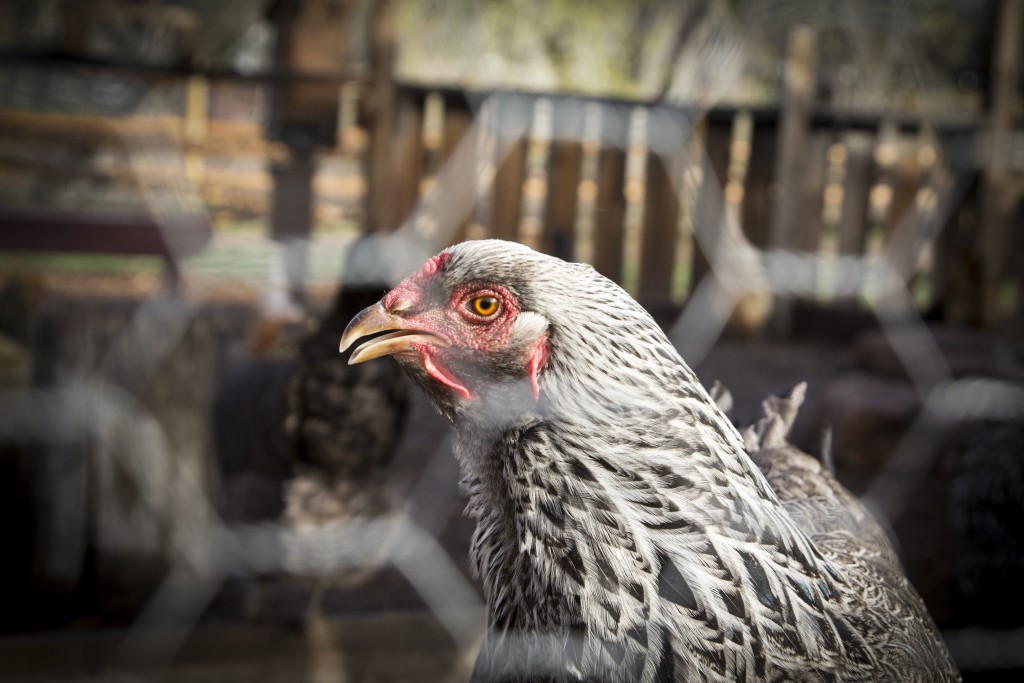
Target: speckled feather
[623, 532]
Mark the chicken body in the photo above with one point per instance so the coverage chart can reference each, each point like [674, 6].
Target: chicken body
[623, 533]
[305, 435]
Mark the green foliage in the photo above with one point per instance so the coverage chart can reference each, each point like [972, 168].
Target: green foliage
[872, 55]
[28, 262]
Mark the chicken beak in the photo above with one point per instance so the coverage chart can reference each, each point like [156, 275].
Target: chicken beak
[375, 319]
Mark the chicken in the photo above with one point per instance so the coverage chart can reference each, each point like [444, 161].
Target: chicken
[623, 532]
[987, 510]
[345, 425]
[303, 435]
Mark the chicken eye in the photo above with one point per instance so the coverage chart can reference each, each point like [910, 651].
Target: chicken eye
[484, 305]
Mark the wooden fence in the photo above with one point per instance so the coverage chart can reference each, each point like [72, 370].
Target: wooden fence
[623, 186]
[645, 191]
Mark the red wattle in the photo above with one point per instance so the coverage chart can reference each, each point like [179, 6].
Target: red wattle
[538, 356]
[442, 375]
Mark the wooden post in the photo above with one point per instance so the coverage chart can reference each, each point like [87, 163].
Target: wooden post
[291, 211]
[798, 98]
[906, 177]
[382, 95]
[610, 210]
[406, 162]
[709, 221]
[78, 23]
[857, 186]
[902, 209]
[485, 153]
[661, 212]
[757, 199]
[808, 234]
[291, 222]
[309, 40]
[564, 178]
[197, 104]
[997, 192]
[303, 115]
[457, 124]
[512, 117]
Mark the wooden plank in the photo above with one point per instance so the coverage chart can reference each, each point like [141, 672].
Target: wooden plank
[457, 122]
[513, 116]
[799, 84]
[906, 179]
[809, 223]
[382, 96]
[485, 153]
[661, 212]
[856, 188]
[903, 214]
[757, 196]
[291, 225]
[566, 156]
[194, 127]
[798, 99]
[610, 210]
[291, 207]
[407, 161]
[709, 221]
[102, 232]
[307, 39]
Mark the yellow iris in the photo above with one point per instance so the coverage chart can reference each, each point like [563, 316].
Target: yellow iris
[484, 305]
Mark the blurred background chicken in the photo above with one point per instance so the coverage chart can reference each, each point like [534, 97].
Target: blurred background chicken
[987, 510]
[300, 433]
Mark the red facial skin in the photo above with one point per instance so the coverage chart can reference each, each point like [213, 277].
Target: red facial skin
[410, 289]
[456, 322]
[441, 374]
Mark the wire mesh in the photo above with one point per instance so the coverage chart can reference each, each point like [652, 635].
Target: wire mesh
[109, 406]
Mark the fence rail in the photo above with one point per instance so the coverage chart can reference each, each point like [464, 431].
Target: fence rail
[644, 191]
